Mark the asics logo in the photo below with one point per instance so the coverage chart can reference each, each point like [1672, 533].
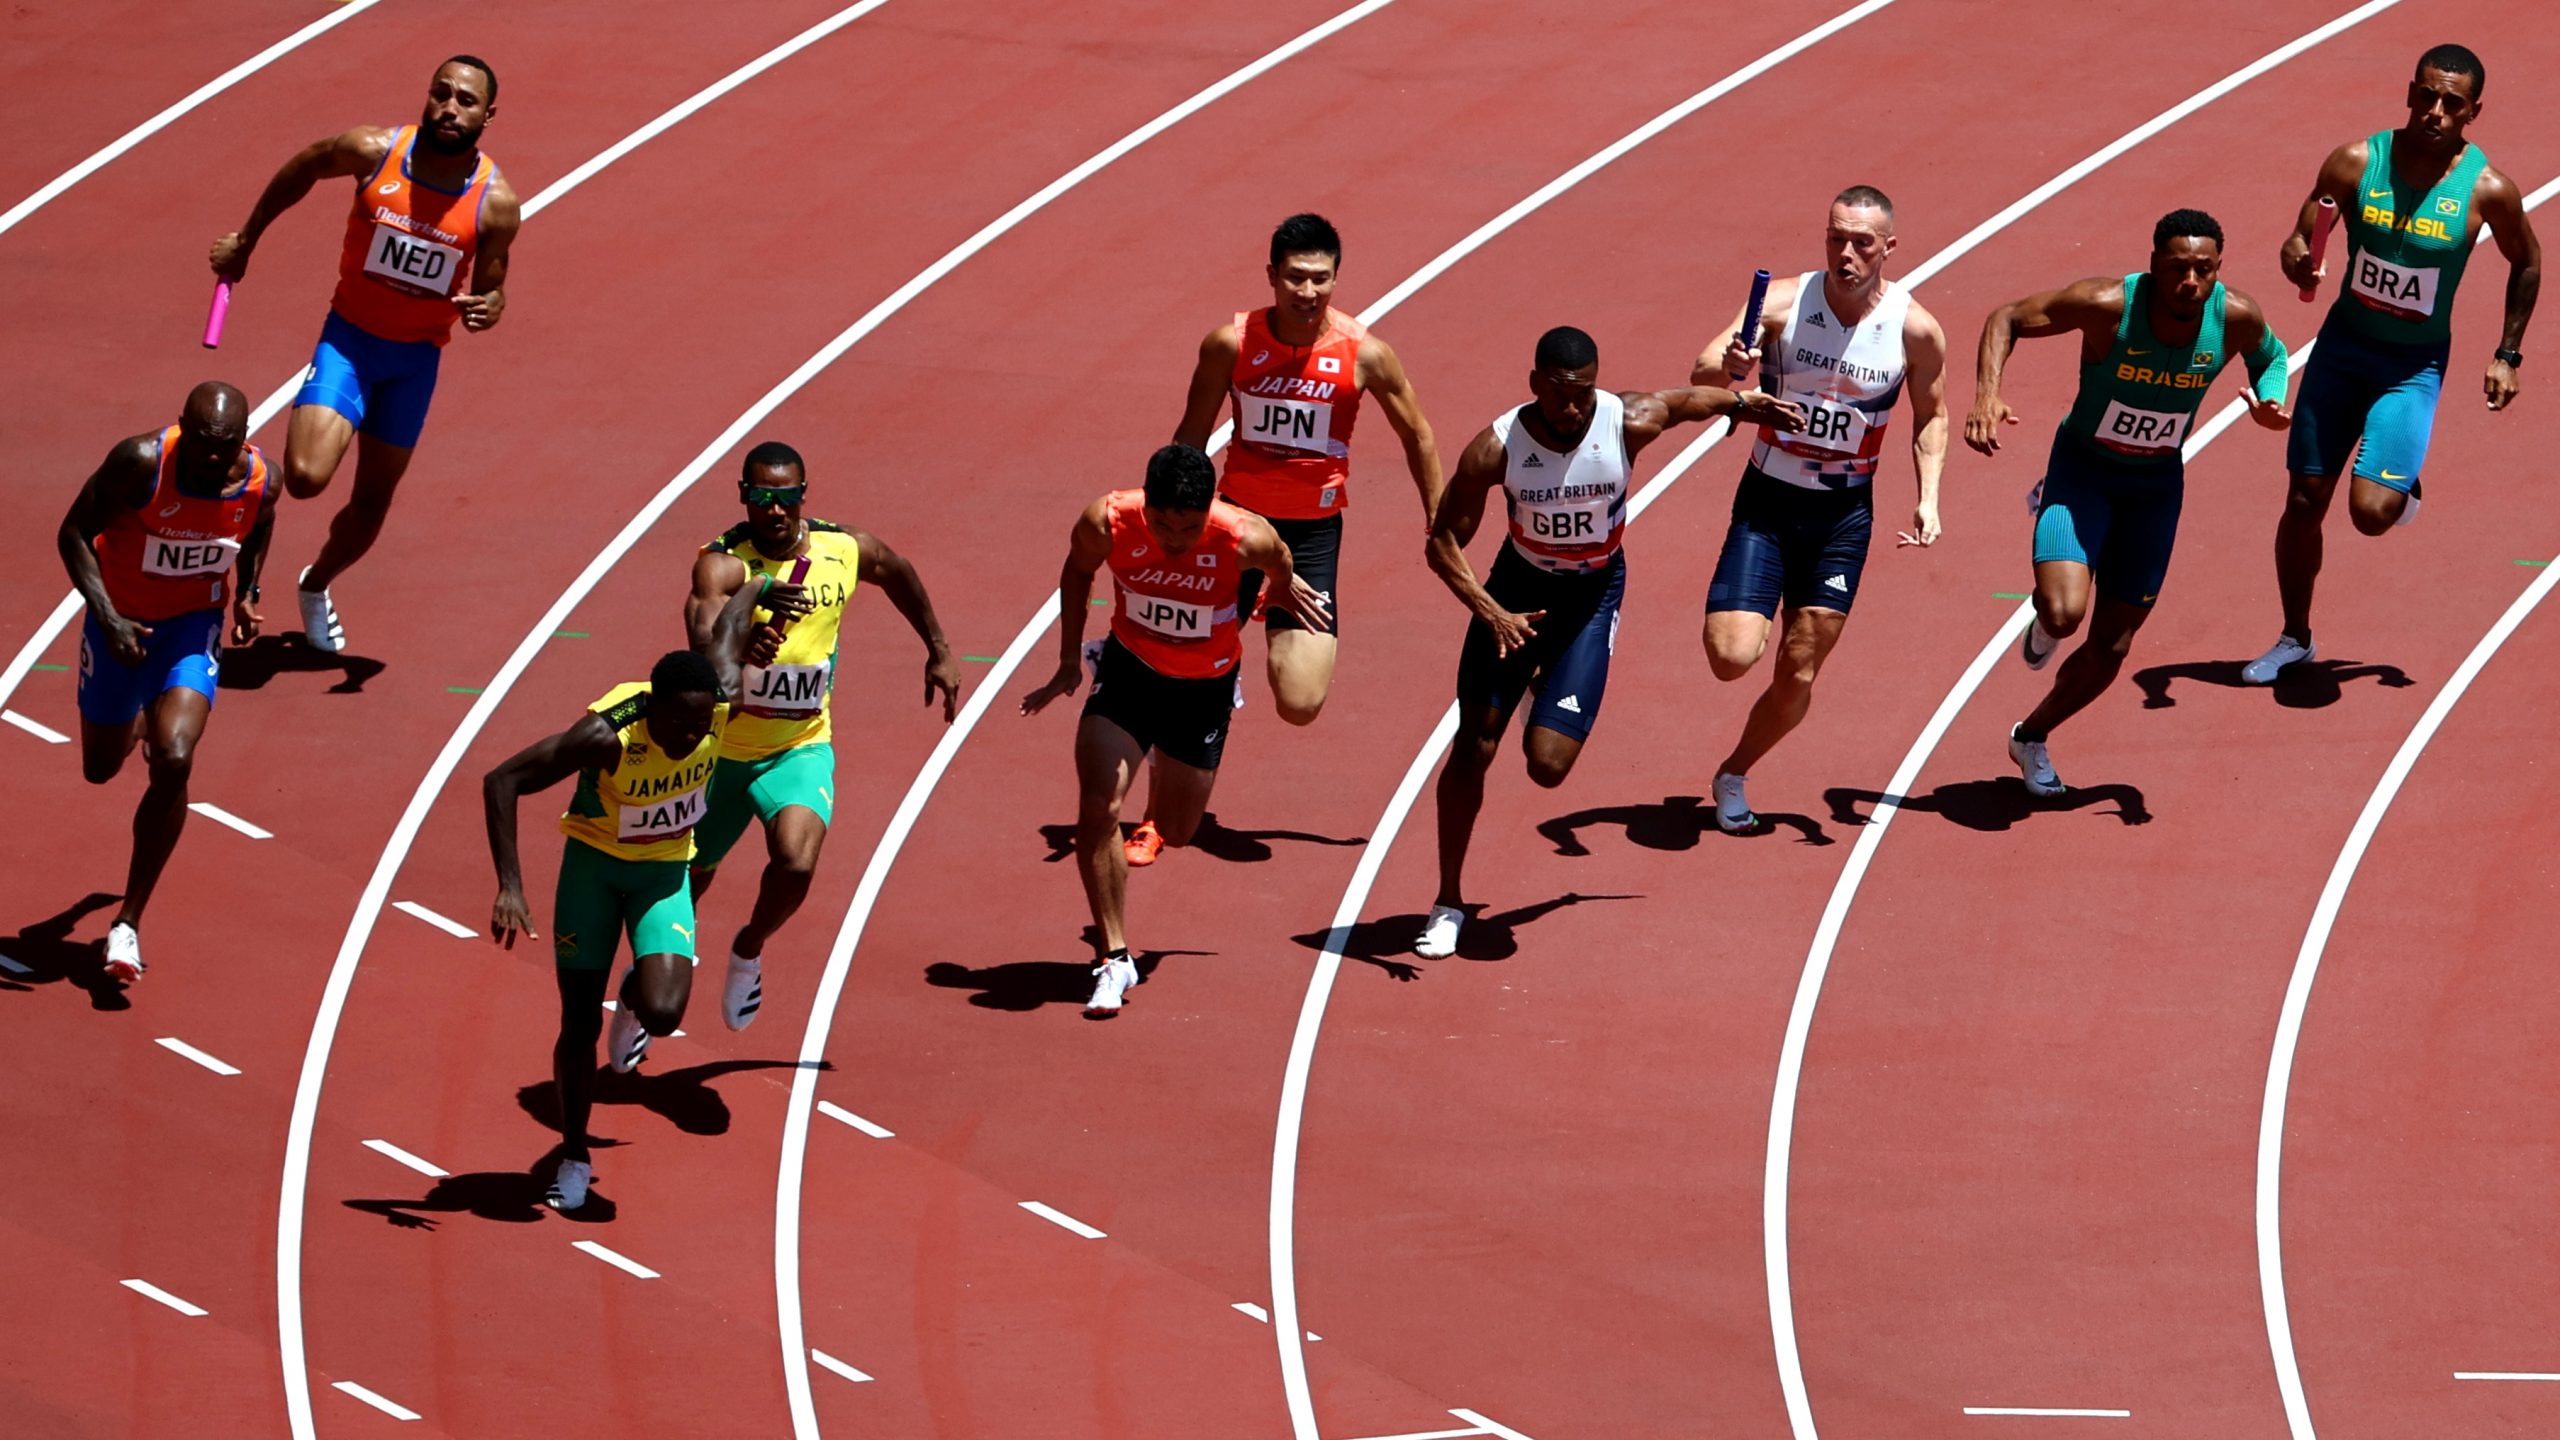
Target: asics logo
[388, 187]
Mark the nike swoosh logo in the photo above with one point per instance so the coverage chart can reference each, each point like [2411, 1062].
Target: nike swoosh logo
[2387, 475]
[2137, 352]
[2378, 194]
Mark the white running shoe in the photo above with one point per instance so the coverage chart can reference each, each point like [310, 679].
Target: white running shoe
[320, 627]
[1439, 939]
[1112, 981]
[2287, 651]
[744, 994]
[2035, 766]
[569, 1188]
[2408, 512]
[124, 953]
[1733, 810]
[2037, 645]
[624, 1041]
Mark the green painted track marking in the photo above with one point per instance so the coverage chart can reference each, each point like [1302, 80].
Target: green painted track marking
[2005, 595]
[981, 659]
[568, 634]
[66, 667]
[2535, 563]
[1097, 602]
[462, 689]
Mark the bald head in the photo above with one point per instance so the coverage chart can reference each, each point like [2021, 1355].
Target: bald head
[215, 408]
[212, 431]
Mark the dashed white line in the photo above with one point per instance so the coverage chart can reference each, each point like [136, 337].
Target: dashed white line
[1502, 1432]
[220, 816]
[2503, 1375]
[826, 1361]
[391, 1408]
[1256, 1311]
[834, 1111]
[1062, 1219]
[385, 1147]
[617, 1261]
[45, 733]
[150, 1291]
[454, 928]
[2048, 1414]
[181, 1047]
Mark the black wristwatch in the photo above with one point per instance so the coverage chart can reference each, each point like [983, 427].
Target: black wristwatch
[2514, 358]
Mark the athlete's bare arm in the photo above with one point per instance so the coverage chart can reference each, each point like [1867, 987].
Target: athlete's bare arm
[1453, 525]
[1088, 550]
[1649, 413]
[719, 615]
[1731, 357]
[349, 153]
[905, 589]
[1209, 379]
[1382, 376]
[2339, 176]
[498, 221]
[2245, 332]
[2088, 308]
[1924, 378]
[2500, 206]
[245, 619]
[590, 744]
[122, 481]
[1259, 547]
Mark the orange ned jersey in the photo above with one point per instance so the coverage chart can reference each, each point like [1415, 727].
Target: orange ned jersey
[1177, 612]
[408, 248]
[1294, 410]
[173, 555]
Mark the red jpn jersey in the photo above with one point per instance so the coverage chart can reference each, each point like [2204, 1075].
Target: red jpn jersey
[1177, 612]
[172, 555]
[1294, 410]
[408, 248]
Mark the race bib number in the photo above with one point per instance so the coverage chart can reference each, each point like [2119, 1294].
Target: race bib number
[661, 819]
[1567, 522]
[786, 691]
[1829, 429]
[2141, 432]
[187, 559]
[2408, 291]
[412, 262]
[1287, 424]
[1172, 619]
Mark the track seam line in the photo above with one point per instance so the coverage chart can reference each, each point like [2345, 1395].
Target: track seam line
[2306, 970]
[194, 98]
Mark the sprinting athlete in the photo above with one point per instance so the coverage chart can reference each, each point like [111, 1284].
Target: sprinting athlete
[426, 244]
[1166, 677]
[169, 521]
[2107, 509]
[1546, 619]
[778, 754]
[1293, 374]
[1843, 343]
[2411, 200]
[643, 756]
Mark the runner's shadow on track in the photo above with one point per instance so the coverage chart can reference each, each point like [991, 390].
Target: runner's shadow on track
[684, 1097]
[263, 659]
[43, 953]
[1678, 823]
[1236, 847]
[1387, 942]
[1026, 985]
[510, 1197]
[2312, 685]
[1997, 804]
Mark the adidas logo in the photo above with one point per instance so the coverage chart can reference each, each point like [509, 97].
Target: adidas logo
[1817, 320]
[1570, 702]
[1533, 463]
[1836, 582]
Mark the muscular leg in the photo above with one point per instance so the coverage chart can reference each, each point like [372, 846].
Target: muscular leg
[1811, 632]
[2062, 597]
[359, 522]
[1460, 793]
[1301, 671]
[1734, 641]
[573, 1055]
[792, 841]
[315, 440]
[1550, 754]
[175, 721]
[2299, 547]
[1180, 793]
[2375, 507]
[103, 748]
[2090, 669]
[656, 990]
[1107, 760]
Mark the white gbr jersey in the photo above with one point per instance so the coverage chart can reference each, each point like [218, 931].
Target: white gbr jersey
[1847, 379]
[1567, 510]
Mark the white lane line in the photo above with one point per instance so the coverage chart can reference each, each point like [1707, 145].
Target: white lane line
[829, 1362]
[198, 96]
[1501, 1432]
[2306, 968]
[795, 1127]
[454, 928]
[150, 1291]
[391, 1408]
[220, 816]
[1062, 1219]
[14, 968]
[1249, 1308]
[423, 1167]
[2503, 1375]
[834, 1111]
[615, 1259]
[43, 732]
[2048, 1414]
[174, 1044]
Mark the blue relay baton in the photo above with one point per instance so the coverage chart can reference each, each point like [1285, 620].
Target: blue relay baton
[1751, 314]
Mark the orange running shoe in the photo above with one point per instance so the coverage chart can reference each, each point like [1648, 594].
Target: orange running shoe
[1142, 844]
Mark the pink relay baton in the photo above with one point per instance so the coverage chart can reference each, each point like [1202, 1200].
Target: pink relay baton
[1750, 333]
[214, 317]
[2320, 229]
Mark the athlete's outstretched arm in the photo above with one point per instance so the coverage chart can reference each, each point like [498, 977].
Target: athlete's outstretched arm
[1924, 377]
[1732, 356]
[2502, 210]
[1382, 375]
[2082, 307]
[2339, 176]
[906, 591]
[590, 744]
[1648, 414]
[736, 641]
[122, 481]
[1259, 547]
[352, 152]
[499, 220]
[245, 619]
[1454, 523]
[1088, 548]
[2248, 333]
[1217, 365]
